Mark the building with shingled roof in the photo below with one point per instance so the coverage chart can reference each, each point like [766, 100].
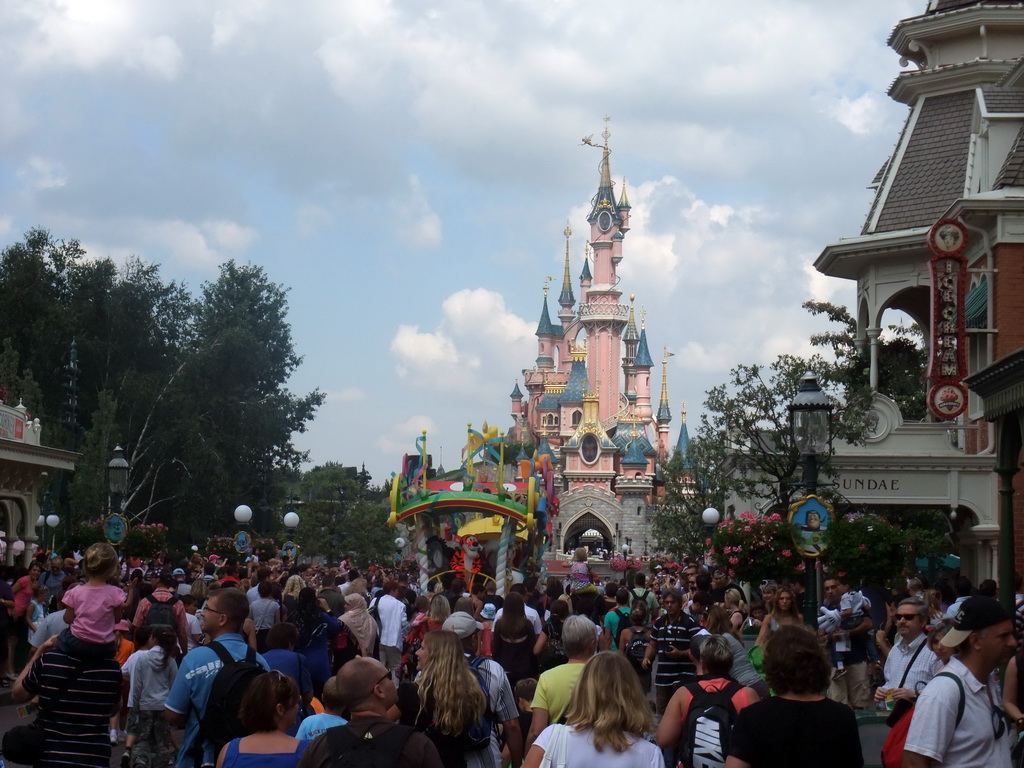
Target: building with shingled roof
[957, 167]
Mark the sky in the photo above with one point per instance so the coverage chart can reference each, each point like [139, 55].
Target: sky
[406, 169]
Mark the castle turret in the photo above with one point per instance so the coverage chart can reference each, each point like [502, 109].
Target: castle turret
[664, 414]
[566, 300]
[642, 364]
[547, 336]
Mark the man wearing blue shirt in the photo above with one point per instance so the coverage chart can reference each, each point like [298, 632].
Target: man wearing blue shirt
[221, 618]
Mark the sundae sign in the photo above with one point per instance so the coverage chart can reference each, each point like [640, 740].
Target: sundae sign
[947, 396]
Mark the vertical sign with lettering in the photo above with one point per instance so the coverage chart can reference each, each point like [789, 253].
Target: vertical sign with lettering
[947, 396]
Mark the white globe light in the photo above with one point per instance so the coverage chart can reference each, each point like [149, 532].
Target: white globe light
[291, 520]
[711, 516]
[243, 514]
[41, 521]
[195, 548]
[52, 520]
[400, 542]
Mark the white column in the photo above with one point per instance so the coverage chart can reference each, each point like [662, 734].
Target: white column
[873, 334]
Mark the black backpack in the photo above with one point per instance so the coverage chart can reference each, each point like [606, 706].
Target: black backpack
[161, 614]
[553, 654]
[708, 726]
[367, 751]
[636, 648]
[219, 723]
[623, 622]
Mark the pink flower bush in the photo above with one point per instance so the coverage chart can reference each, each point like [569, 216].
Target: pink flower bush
[754, 548]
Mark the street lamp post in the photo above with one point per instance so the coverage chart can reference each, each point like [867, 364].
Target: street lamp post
[810, 419]
[711, 517]
[117, 479]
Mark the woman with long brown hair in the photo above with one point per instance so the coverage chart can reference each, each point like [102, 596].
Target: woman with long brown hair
[446, 702]
[718, 623]
[607, 720]
[513, 641]
[784, 612]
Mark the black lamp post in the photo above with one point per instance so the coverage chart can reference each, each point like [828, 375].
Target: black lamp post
[117, 479]
[810, 419]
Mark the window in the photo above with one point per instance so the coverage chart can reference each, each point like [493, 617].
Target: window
[589, 449]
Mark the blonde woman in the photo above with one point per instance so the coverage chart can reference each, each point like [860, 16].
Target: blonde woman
[784, 612]
[446, 702]
[606, 721]
[736, 607]
[290, 596]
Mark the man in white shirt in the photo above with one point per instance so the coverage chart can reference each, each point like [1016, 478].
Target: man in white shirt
[392, 625]
[957, 721]
[910, 662]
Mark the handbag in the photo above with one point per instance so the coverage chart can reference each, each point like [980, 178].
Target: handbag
[558, 747]
[25, 744]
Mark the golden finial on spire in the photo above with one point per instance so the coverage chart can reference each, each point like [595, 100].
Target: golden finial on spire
[547, 279]
[606, 134]
[643, 318]
[682, 410]
[567, 231]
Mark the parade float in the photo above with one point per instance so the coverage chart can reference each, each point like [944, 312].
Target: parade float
[486, 521]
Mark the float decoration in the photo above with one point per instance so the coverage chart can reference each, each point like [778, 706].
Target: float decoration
[478, 521]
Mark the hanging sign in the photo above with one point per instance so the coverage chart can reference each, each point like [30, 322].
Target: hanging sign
[242, 542]
[809, 519]
[115, 528]
[947, 396]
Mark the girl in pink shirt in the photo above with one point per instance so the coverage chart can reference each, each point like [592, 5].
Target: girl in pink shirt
[93, 608]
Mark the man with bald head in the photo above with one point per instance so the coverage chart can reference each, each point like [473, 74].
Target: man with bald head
[368, 693]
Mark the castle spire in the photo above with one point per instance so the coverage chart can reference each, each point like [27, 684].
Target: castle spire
[623, 200]
[566, 298]
[664, 414]
[604, 200]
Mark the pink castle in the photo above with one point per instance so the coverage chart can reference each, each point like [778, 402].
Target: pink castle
[588, 396]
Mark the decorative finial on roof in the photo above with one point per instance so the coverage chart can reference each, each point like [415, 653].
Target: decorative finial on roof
[682, 411]
[643, 319]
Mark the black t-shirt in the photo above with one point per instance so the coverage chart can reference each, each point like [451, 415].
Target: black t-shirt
[780, 733]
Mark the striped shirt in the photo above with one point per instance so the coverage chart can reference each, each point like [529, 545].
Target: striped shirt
[677, 634]
[900, 656]
[501, 707]
[76, 726]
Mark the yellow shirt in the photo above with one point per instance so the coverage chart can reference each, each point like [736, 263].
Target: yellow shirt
[554, 690]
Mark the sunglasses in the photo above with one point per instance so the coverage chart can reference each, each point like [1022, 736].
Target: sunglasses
[906, 616]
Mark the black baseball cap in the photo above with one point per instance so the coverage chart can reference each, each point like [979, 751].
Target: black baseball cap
[974, 614]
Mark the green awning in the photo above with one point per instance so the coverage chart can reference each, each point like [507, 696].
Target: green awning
[976, 304]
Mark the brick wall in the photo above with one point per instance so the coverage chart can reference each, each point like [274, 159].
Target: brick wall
[1008, 305]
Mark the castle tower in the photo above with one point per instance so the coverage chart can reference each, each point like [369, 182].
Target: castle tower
[642, 365]
[664, 414]
[602, 315]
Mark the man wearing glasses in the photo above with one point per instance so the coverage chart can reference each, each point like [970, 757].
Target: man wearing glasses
[221, 618]
[367, 691]
[957, 721]
[910, 662]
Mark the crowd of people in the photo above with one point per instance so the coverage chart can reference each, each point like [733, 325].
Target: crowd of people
[212, 662]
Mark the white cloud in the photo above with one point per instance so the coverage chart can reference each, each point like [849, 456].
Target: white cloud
[862, 116]
[477, 344]
[400, 438]
[419, 226]
[42, 173]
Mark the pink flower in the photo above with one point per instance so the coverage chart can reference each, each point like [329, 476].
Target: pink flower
[733, 560]
[787, 553]
[746, 528]
[707, 542]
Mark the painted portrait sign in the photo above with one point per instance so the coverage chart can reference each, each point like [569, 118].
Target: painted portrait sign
[115, 528]
[243, 543]
[809, 519]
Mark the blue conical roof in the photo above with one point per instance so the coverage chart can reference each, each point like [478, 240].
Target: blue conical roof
[576, 384]
[683, 444]
[517, 394]
[545, 327]
[643, 355]
[585, 274]
[634, 455]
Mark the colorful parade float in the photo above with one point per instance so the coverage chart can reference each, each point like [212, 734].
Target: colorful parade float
[486, 521]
